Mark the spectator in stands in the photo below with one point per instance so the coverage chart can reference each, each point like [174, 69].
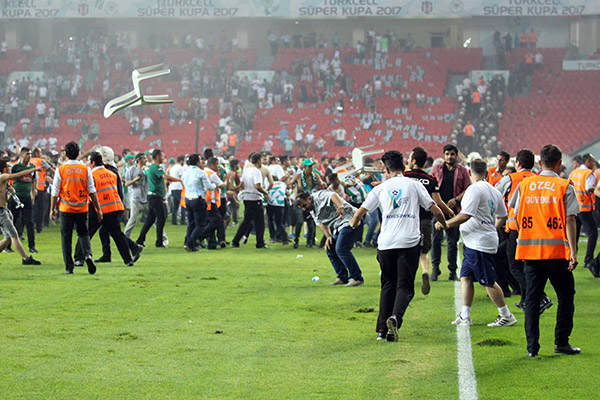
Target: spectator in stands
[405, 99]
[95, 129]
[308, 141]
[532, 38]
[3, 50]
[146, 126]
[340, 136]
[273, 42]
[268, 145]
[283, 133]
[420, 99]
[523, 39]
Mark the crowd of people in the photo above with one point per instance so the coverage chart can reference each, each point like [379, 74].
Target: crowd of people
[519, 223]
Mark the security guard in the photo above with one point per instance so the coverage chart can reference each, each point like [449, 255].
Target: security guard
[508, 186]
[73, 185]
[545, 208]
[585, 181]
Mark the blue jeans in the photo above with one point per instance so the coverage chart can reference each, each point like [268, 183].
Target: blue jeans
[196, 214]
[341, 257]
[372, 226]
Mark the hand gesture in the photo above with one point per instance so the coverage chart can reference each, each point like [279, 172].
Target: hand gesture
[328, 243]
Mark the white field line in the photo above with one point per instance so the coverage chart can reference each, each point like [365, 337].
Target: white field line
[467, 382]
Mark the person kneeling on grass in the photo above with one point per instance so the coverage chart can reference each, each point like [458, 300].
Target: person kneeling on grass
[6, 219]
[333, 215]
[483, 211]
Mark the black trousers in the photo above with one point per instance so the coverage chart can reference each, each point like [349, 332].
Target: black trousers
[452, 235]
[253, 214]
[398, 270]
[516, 266]
[111, 223]
[537, 273]
[503, 276]
[156, 213]
[39, 210]
[196, 216]
[586, 221]
[275, 219]
[67, 222]
[299, 217]
[214, 224]
[23, 218]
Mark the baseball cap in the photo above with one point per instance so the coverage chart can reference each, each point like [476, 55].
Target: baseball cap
[129, 157]
[307, 162]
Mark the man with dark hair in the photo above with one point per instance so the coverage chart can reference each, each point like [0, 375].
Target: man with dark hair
[6, 220]
[547, 231]
[453, 179]
[494, 174]
[26, 190]
[483, 211]
[112, 207]
[252, 194]
[137, 182]
[309, 181]
[41, 200]
[157, 190]
[585, 180]
[74, 184]
[176, 171]
[333, 215]
[399, 199]
[416, 162]
[507, 188]
[215, 223]
[196, 184]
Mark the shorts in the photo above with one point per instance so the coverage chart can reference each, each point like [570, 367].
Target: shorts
[479, 265]
[426, 235]
[6, 223]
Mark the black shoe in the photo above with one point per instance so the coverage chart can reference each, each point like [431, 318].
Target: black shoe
[130, 263]
[103, 259]
[309, 246]
[90, 265]
[435, 272]
[594, 268]
[136, 253]
[32, 250]
[8, 250]
[295, 245]
[453, 276]
[69, 271]
[520, 305]
[392, 324]
[160, 246]
[78, 263]
[285, 242]
[245, 240]
[567, 349]
[381, 335]
[31, 261]
[223, 245]
[545, 304]
[263, 247]
[235, 245]
[203, 245]
[532, 355]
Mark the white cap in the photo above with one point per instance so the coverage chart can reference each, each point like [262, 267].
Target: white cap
[108, 155]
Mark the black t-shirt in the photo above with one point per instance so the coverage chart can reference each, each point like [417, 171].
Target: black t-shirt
[430, 184]
[447, 186]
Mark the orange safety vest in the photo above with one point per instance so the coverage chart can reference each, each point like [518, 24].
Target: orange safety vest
[476, 97]
[542, 219]
[73, 192]
[469, 130]
[41, 174]
[529, 58]
[585, 199]
[232, 140]
[532, 37]
[524, 37]
[211, 193]
[106, 190]
[515, 179]
[493, 176]
[182, 199]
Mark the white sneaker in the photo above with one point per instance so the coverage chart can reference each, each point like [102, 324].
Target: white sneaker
[462, 321]
[504, 321]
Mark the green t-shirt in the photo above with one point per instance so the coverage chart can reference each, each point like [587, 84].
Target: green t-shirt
[156, 182]
[23, 184]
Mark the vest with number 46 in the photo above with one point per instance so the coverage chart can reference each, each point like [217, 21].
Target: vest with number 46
[541, 217]
[106, 190]
[73, 188]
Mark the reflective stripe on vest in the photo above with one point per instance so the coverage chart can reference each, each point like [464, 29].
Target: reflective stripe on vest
[182, 199]
[73, 192]
[585, 199]
[106, 189]
[515, 179]
[211, 193]
[41, 173]
[542, 219]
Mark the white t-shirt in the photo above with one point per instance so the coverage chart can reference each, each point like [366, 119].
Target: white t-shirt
[213, 177]
[250, 178]
[276, 171]
[40, 108]
[399, 199]
[483, 203]
[340, 134]
[176, 171]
